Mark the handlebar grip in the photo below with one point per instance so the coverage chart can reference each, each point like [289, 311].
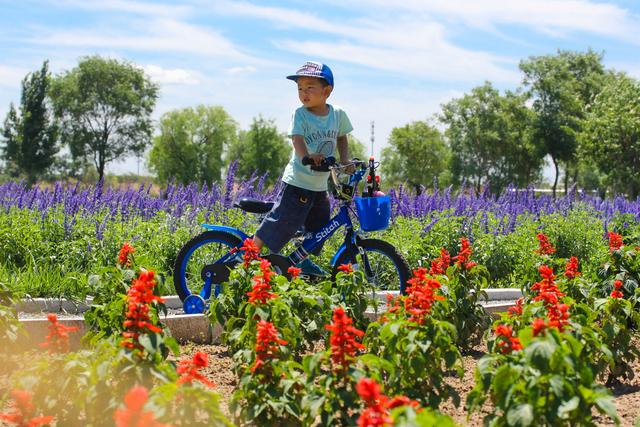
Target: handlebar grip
[324, 166]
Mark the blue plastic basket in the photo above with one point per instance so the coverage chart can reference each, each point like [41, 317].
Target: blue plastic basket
[373, 212]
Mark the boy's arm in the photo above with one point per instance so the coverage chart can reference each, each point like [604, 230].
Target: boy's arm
[343, 151]
[343, 148]
[301, 150]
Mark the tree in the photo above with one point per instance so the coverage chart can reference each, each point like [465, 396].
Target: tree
[105, 108]
[190, 145]
[261, 149]
[611, 133]
[561, 86]
[356, 148]
[490, 139]
[416, 154]
[10, 135]
[31, 136]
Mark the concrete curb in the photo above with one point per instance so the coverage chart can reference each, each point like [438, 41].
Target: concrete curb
[196, 328]
[61, 305]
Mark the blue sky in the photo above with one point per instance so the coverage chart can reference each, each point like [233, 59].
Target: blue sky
[394, 62]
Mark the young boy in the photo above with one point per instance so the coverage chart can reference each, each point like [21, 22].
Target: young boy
[317, 131]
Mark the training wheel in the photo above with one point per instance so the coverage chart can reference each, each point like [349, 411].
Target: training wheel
[194, 304]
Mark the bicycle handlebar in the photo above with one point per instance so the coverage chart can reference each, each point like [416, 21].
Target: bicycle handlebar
[324, 166]
[330, 163]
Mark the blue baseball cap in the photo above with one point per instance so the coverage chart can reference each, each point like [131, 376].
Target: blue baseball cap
[313, 69]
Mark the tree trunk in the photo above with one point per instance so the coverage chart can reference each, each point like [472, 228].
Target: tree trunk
[555, 182]
[566, 178]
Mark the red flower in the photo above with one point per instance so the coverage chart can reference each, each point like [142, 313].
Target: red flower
[617, 293]
[22, 413]
[133, 415]
[58, 339]
[440, 265]
[251, 251]
[189, 370]
[294, 272]
[549, 294]
[345, 268]
[377, 405]
[343, 339]
[139, 298]
[421, 295]
[516, 310]
[462, 259]
[538, 326]
[267, 343]
[507, 342]
[571, 268]
[369, 391]
[259, 294]
[399, 401]
[123, 255]
[545, 247]
[615, 241]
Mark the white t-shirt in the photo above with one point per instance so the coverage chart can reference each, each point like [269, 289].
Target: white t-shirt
[320, 133]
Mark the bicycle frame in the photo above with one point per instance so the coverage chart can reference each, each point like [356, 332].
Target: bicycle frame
[342, 218]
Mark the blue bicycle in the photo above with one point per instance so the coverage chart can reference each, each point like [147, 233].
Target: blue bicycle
[204, 262]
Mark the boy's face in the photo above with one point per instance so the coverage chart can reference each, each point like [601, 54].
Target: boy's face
[312, 92]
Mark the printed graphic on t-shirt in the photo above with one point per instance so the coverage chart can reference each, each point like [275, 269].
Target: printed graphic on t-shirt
[326, 148]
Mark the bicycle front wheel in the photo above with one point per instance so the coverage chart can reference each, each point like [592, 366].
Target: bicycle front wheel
[204, 249]
[383, 266]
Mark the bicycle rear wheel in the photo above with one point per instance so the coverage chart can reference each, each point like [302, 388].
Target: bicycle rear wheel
[383, 266]
[204, 249]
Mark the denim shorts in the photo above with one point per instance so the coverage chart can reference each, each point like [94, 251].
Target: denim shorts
[296, 208]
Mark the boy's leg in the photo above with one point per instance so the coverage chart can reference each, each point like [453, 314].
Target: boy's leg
[286, 217]
[319, 215]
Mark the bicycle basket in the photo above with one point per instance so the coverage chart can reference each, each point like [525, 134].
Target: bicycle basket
[374, 212]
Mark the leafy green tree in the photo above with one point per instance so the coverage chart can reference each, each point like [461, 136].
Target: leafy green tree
[105, 108]
[611, 134]
[190, 145]
[490, 139]
[10, 148]
[31, 136]
[261, 149]
[416, 153]
[560, 86]
[356, 148]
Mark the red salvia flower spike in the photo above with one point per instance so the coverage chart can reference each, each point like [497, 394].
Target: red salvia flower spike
[133, 413]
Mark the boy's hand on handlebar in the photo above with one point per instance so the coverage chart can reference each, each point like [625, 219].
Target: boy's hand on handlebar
[316, 158]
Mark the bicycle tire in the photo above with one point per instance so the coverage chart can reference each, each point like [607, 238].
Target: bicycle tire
[181, 270]
[385, 249]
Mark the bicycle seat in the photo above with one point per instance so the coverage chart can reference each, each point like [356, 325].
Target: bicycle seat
[252, 205]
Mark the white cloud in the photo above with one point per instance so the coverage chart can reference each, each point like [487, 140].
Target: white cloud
[132, 7]
[12, 76]
[405, 45]
[158, 35]
[242, 70]
[548, 16]
[176, 76]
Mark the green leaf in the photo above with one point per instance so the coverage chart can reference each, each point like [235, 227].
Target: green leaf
[150, 342]
[565, 409]
[502, 380]
[556, 383]
[539, 352]
[607, 405]
[521, 415]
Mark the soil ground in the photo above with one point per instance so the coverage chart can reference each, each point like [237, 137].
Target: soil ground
[627, 394]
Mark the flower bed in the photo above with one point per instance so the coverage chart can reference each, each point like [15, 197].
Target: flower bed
[554, 358]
